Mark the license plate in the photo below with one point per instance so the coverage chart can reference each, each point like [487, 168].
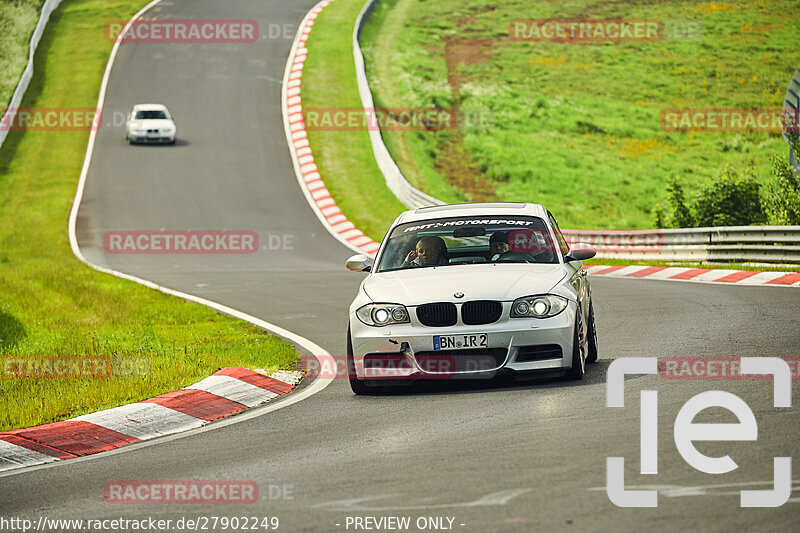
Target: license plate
[460, 342]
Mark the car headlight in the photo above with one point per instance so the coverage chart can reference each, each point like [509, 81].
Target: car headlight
[382, 314]
[541, 306]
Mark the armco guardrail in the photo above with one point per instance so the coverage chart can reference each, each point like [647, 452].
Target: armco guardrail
[397, 183]
[749, 244]
[16, 99]
[791, 103]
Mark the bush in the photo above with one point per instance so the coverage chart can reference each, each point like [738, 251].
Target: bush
[727, 200]
[674, 214]
[783, 194]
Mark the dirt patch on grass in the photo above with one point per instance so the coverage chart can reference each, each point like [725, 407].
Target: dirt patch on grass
[453, 160]
[464, 51]
[457, 165]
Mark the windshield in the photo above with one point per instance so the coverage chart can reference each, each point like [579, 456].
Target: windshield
[150, 115]
[468, 240]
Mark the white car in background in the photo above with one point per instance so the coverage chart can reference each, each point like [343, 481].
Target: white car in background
[150, 123]
[469, 291]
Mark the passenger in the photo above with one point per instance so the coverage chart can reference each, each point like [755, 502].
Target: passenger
[430, 251]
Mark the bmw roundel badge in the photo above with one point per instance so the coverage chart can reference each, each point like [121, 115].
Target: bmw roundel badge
[459, 295]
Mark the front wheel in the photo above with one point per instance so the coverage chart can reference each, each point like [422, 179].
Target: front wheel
[578, 369]
[358, 386]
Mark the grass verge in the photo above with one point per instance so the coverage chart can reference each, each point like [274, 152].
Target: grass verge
[53, 305]
[577, 126]
[18, 19]
[345, 158]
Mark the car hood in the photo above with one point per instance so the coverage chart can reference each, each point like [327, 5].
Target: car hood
[152, 123]
[478, 282]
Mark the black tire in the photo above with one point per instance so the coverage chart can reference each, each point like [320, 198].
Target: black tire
[578, 369]
[358, 386]
[591, 354]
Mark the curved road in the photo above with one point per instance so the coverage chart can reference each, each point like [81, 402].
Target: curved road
[493, 456]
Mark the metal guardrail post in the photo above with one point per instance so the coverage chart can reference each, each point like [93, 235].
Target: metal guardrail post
[791, 102]
[410, 196]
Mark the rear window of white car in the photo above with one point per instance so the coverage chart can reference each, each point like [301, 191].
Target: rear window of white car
[468, 240]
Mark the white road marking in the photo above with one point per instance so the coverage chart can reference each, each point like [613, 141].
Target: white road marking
[357, 504]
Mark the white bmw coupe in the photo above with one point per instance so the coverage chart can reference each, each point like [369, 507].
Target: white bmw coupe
[468, 291]
[150, 123]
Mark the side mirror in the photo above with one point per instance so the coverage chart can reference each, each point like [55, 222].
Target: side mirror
[580, 252]
[359, 263]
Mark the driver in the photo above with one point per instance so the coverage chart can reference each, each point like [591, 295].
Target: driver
[498, 244]
[430, 251]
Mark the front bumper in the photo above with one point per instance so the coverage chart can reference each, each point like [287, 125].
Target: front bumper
[406, 351]
[147, 139]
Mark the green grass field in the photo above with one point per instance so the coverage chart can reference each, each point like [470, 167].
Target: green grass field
[18, 18]
[53, 305]
[576, 126]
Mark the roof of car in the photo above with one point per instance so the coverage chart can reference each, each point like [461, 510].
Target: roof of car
[479, 209]
[150, 107]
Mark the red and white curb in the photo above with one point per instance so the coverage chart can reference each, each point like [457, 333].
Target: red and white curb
[224, 393]
[306, 170]
[706, 275]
